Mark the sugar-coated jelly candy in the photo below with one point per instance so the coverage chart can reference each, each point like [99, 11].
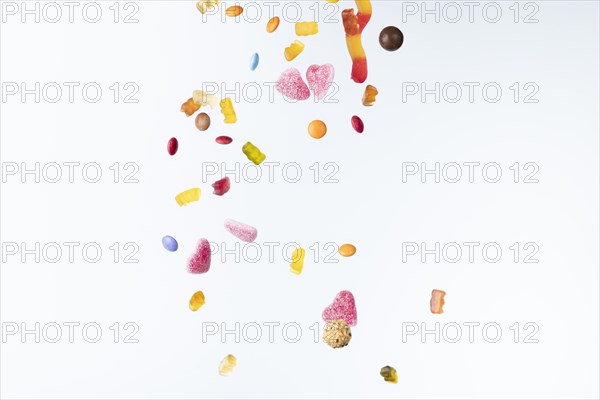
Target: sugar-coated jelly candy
[254, 61]
[253, 153]
[297, 261]
[291, 85]
[317, 129]
[437, 302]
[272, 24]
[202, 121]
[227, 365]
[357, 124]
[205, 99]
[189, 107]
[369, 95]
[169, 243]
[307, 28]
[337, 334]
[347, 250]
[389, 374]
[293, 50]
[204, 5]
[221, 186]
[172, 146]
[197, 301]
[343, 307]
[319, 78]
[223, 140]
[391, 38]
[199, 262]
[228, 111]
[241, 231]
[233, 11]
[188, 196]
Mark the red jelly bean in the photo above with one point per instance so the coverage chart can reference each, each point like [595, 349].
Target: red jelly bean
[357, 124]
[221, 186]
[223, 140]
[172, 146]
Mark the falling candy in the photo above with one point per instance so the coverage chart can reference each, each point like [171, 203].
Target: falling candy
[306, 28]
[317, 129]
[197, 301]
[205, 5]
[337, 334]
[169, 243]
[228, 111]
[189, 107]
[347, 250]
[241, 231]
[223, 140]
[437, 301]
[391, 38]
[357, 124]
[297, 261]
[205, 99]
[343, 307]
[319, 78]
[199, 262]
[221, 186]
[188, 196]
[389, 374]
[272, 24]
[227, 365]
[254, 61]
[369, 96]
[172, 146]
[233, 11]
[353, 26]
[293, 50]
[202, 121]
[253, 153]
[291, 85]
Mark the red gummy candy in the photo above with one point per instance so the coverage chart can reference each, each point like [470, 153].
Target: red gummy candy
[291, 85]
[221, 186]
[357, 124]
[199, 262]
[319, 78]
[343, 307]
[223, 140]
[172, 146]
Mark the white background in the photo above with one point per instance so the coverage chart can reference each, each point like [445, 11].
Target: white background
[170, 52]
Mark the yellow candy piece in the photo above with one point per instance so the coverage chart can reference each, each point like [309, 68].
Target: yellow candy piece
[307, 28]
[332, 1]
[197, 301]
[228, 111]
[389, 374]
[253, 153]
[369, 96]
[204, 5]
[297, 261]
[205, 99]
[188, 196]
[294, 50]
[347, 250]
[227, 365]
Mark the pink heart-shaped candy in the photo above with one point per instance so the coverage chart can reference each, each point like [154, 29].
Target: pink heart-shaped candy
[343, 307]
[199, 262]
[291, 85]
[319, 78]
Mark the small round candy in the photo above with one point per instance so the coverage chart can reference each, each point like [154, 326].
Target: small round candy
[169, 243]
[347, 250]
[317, 129]
[391, 38]
[172, 146]
[202, 121]
[357, 124]
[223, 140]
[254, 61]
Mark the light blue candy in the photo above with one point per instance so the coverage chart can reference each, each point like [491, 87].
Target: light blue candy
[253, 61]
[170, 243]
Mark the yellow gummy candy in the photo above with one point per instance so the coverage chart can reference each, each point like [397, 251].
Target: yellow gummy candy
[228, 111]
[205, 99]
[389, 374]
[294, 50]
[227, 365]
[197, 301]
[307, 28]
[253, 153]
[205, 5]
[297, 260]
[188, 196]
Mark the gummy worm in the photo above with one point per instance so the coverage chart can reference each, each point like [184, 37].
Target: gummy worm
[353, 26]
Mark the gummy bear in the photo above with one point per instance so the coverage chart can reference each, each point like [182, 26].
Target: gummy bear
[197, 301]
[228, 111]
[199, 262]
[437, 302]
[205, 99]
[227, 365]
[291, 85]
[204, 5]
[190, 107]
[369, 96]
[253, 153]
[307, 28]
[221, 186]
[389, 374]
[319, 78]
[297, 261]
[343, 307]
[294, 50]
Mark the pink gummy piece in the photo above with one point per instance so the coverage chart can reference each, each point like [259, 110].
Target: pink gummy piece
[221, 186]
[343, 307]
[319, 78]
[241, 231]
[291, 85]
[199, 262]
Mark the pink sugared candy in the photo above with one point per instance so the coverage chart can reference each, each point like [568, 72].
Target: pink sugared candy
[319, 78]
[241, 231]
[223, 140]
[357, 124]
[291, 85]
[221, 186]
[199, 262]
[172, 146]
[343, 307]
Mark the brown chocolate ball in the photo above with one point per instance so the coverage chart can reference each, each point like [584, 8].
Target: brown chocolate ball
[391, 38]
[202, 121]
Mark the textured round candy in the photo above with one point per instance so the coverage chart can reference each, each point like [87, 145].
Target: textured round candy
[357, 124]
[169, 243]
[223, 140]
[391, 38]
[317, 129]
[202, 121]
[347, 250]
[254, 61]
[172, 146]
[272, 24]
